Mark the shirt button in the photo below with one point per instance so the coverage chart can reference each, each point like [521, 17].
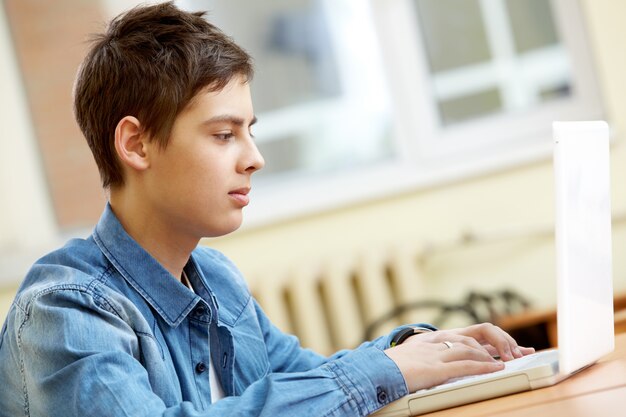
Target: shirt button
[200, 367]
[200, 311]
[382, 396]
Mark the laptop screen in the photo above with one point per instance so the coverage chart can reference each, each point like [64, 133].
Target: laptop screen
[583, 243]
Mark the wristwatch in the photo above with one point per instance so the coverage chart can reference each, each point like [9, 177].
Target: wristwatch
[404, 334]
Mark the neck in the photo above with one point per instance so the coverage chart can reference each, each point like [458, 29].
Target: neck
[154, 233]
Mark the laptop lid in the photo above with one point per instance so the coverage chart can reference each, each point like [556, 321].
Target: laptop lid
[583, 243]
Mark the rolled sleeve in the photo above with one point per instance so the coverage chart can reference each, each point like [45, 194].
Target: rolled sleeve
[370, 379]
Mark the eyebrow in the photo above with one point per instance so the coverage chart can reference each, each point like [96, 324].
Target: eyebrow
[238, 121]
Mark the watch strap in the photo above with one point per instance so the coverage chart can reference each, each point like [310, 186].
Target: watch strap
[405, 333]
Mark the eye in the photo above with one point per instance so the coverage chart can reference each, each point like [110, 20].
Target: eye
[224, 136]
[250, 127]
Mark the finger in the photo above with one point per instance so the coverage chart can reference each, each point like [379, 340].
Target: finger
[440, 337]
[462, 368]
[494, 352]
[457, 338]
[460, 352]
[527, 350]
[515, 348]
[505, 345]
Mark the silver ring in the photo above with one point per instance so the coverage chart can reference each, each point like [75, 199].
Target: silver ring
[448, 344]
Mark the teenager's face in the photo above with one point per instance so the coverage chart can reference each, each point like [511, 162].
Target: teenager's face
[200, 181]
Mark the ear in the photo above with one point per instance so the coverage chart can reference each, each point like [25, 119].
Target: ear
[130, 143]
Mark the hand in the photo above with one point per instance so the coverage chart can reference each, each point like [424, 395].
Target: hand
[425, 360]
[495, 340]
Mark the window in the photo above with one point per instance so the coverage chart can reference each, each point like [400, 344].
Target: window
[482, 80]
[500, 56]
[362, 99]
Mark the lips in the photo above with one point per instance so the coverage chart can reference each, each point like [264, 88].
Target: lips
[240, 196]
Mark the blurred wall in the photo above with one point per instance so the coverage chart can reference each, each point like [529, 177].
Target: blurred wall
[510, 203]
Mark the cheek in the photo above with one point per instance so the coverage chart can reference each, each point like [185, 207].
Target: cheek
[196, 175]
[195, 170]
[204, 185]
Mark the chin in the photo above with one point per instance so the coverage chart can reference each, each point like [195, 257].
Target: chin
[224, 228]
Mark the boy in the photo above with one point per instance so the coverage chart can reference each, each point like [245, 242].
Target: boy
[137, 320]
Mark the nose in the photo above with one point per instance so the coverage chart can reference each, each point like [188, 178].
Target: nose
[252, 160]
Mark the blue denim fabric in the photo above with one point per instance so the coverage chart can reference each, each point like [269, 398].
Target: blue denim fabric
[100, 328]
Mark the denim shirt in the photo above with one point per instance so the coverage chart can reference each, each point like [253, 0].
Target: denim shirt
[100, 328]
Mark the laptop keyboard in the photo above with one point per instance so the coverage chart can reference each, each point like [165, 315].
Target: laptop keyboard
[529, 361]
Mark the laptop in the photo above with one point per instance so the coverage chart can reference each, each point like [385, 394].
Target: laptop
[584, 281]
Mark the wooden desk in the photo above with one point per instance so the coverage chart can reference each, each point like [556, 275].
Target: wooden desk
[599, 390]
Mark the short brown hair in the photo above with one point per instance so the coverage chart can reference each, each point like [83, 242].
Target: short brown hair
[150, 63]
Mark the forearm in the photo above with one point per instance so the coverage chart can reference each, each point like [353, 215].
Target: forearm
[355, 385]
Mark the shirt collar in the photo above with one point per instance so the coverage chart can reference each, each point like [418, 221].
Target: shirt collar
[169, 298]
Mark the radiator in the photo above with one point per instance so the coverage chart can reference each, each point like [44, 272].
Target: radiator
[328, 305]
